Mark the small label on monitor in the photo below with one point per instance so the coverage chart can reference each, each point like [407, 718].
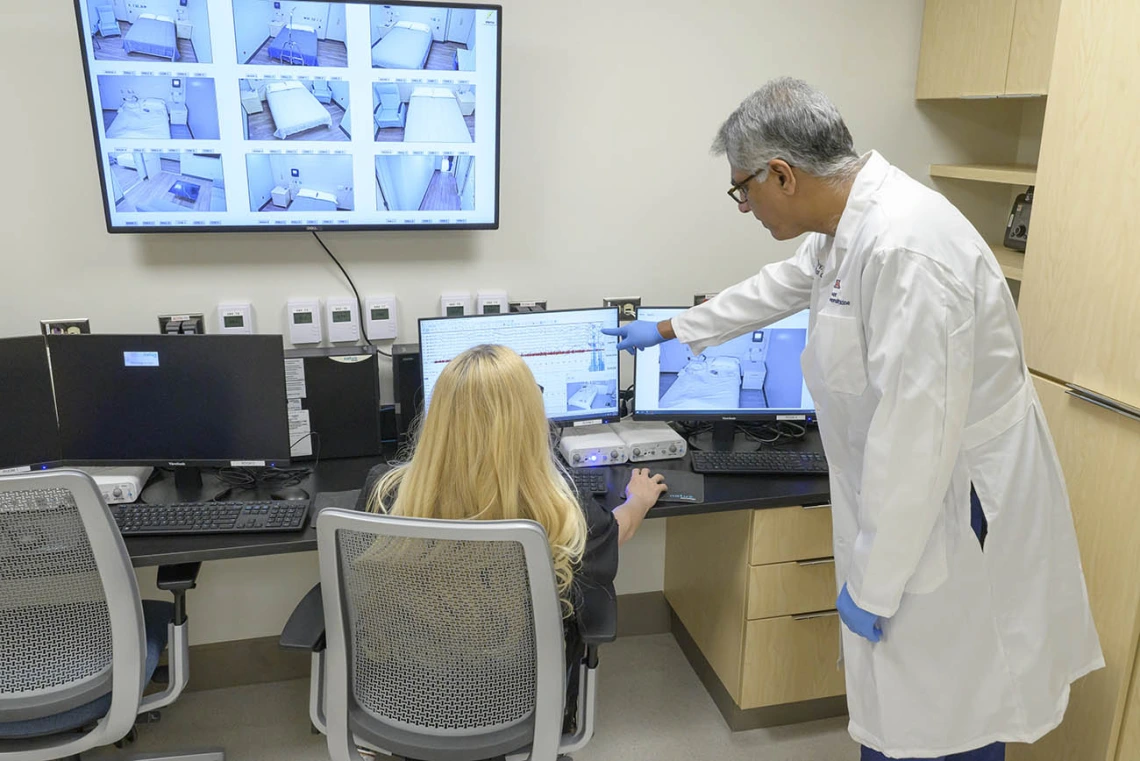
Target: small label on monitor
[140, 359]
[791, 417]
[20, 469]
[247, 463]
[594, 421]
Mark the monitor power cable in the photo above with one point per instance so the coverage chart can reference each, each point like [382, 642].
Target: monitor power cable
[359, 301]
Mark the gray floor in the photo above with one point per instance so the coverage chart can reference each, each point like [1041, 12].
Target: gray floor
[651, 707]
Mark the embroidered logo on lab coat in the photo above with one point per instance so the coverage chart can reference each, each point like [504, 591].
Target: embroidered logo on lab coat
[835, 295]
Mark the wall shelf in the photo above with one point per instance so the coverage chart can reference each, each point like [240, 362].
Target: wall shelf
[1006, 174]
[1012, 262]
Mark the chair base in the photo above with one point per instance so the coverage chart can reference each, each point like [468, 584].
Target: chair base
[207, 754]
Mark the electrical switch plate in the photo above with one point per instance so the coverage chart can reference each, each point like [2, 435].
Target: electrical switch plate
[189, 323]
[343, 317]
[627, 306]
[304, 316]
[235, 319]
[380, 318]
[528, 306]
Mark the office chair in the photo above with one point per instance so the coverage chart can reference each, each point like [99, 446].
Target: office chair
[392, 112]
[442, 640]
[79, 646]
[108, 24]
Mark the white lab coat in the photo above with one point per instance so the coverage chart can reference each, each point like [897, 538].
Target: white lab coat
[916, 367]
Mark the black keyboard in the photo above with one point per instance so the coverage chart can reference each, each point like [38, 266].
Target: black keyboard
[212, 517]
[588, 481]
[764, 462]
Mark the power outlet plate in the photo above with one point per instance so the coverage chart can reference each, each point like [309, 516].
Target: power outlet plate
[77, 326]
[189, 323]
[700, 298]
[627, 306]
[528, 306]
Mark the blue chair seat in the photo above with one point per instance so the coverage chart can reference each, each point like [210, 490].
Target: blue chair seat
[157, 616]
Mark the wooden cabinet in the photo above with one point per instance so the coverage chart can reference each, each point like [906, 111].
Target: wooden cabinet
[755, 590]
[1099, 450]
[973, 48]
[1078, 300]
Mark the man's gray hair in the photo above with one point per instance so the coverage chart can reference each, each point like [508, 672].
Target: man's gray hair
[788, 119]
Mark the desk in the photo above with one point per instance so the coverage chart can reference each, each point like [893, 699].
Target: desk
[722, 493]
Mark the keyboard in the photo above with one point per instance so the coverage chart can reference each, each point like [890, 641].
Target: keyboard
[764, 462]
[212, 517]
[588, 481]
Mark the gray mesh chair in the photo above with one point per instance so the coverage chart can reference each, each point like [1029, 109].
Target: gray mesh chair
[442, 641]
[75, 649]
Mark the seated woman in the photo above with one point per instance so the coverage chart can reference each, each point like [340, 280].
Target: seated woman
[483, 452]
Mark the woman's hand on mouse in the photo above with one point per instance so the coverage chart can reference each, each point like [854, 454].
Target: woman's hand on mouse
[643, 489]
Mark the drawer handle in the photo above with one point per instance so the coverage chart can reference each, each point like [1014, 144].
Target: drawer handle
[815, 507]
[821, 561]
[820, 614]
[1105, 402]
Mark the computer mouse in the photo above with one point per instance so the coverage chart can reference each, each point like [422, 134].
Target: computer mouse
[289, 492]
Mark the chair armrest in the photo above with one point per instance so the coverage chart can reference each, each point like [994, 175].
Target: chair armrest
[305, 629]
[597, 618]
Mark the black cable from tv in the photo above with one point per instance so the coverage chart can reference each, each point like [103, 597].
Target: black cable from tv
[359, 301]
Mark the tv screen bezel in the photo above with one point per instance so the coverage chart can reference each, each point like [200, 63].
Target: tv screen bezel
[293, 228]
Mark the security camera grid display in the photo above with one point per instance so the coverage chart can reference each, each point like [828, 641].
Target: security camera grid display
[154, 181]
[287, 33]
[417, 37]
[142, 31]
[158, 108]
[279, 183]
[295, 109]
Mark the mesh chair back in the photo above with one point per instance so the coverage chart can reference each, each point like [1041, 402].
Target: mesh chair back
[451, 634]
[442, 631]
[55, 615]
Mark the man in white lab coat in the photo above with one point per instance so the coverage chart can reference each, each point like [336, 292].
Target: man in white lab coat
[963, 627]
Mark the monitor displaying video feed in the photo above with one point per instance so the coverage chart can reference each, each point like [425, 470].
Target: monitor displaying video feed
[235, 115]
[574, 364]
[756, 375]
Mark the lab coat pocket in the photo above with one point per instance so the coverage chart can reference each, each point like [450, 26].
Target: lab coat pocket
[839, 353]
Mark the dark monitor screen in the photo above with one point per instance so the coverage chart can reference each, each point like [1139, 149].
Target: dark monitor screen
[28, 432]
[171, 400]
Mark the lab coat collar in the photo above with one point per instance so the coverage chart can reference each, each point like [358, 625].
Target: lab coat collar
[867, 182]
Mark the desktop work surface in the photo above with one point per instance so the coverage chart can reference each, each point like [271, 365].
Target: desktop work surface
[722, 493]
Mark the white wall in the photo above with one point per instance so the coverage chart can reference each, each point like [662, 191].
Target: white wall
[339, 93]
[202, 107]
[605, 163]
[405, 179]
[251, 25]
[198, 14]
[306, 13]
[384, 17]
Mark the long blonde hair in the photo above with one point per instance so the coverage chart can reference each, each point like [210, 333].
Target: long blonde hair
[483, 452]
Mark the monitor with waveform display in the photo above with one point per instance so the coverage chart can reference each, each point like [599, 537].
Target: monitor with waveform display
[573, 362]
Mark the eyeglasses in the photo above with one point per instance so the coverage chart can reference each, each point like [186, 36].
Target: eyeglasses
[739, 190]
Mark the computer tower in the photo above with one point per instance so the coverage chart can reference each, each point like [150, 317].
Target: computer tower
[334, 394]
[408, 380]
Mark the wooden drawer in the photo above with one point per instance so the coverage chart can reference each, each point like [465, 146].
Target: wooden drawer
[784, 534]
[785, 589]
[791, 659]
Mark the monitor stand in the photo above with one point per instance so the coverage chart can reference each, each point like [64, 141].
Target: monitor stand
[186, 485]
[724, 438]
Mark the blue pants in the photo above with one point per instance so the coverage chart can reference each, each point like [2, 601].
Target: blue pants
[995, 752]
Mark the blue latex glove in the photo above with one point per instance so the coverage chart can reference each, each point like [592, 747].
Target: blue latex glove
[639, 334]
[865, 624]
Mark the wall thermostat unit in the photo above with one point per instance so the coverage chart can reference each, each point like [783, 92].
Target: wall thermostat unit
[650, 441]
[592, 445]
[304, 321]
[343, 319]
[119, 486]
[380, 318]
[492, 302]
[454, 304]
[235, 319]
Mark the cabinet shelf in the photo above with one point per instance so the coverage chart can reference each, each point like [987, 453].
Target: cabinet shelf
[1012, 262]
[1006, 174]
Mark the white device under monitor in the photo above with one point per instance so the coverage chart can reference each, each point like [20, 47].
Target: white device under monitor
[120, 486]
[343, 319]
[589, 446]
[304, 317]
[380, 318]
[573, 362]
[235, 319]
[650, 440]
[755, 376]
[323, 71]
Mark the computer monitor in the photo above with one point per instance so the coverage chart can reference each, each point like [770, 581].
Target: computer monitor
[182, 402]
[755, 377]
[574, 364]
[29, 435]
